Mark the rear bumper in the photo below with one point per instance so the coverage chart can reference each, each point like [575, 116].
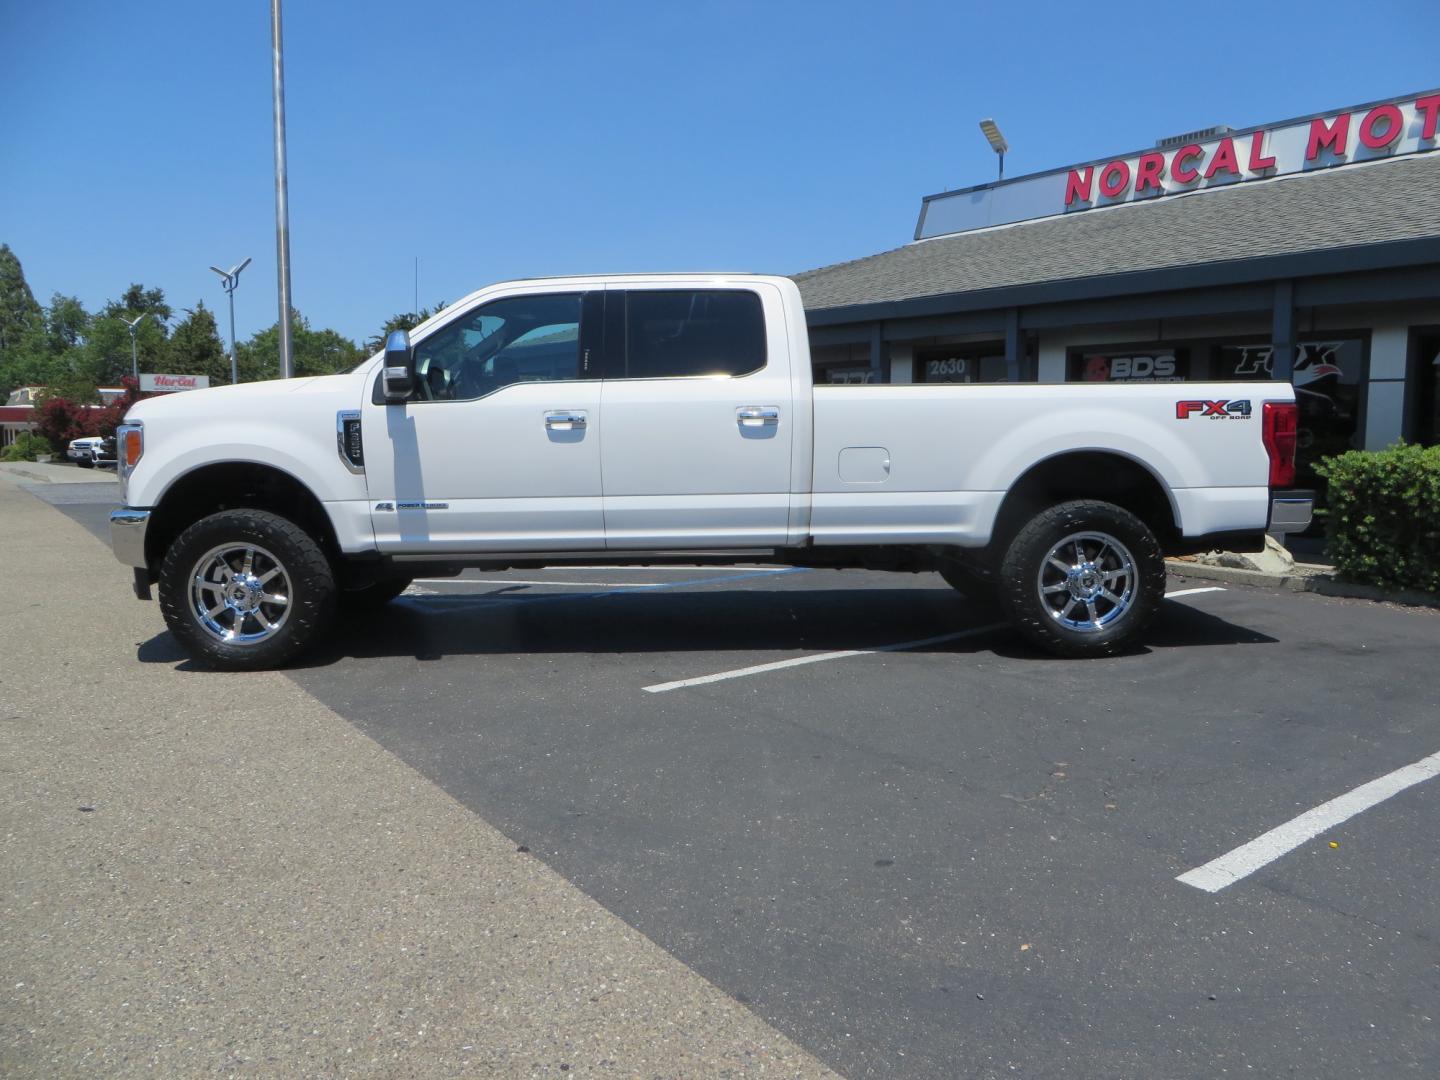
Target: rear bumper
[127, 535]
[1291, 511]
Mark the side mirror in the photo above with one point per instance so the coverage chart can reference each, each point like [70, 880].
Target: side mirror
[399, 372]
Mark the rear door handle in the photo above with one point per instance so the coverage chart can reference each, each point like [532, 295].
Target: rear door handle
[564, 420]
[757, 415]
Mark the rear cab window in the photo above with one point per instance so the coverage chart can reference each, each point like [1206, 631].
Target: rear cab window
[685, 333]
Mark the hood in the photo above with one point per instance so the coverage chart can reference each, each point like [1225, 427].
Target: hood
[218, 400]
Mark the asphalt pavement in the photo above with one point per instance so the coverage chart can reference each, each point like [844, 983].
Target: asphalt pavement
[953, 858]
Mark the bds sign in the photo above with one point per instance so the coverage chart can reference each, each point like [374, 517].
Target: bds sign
[169, 384]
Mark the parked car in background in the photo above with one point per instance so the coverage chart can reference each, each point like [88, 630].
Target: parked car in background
[82, 451]
[104, 453]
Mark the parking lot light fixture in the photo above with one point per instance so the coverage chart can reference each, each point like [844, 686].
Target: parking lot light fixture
[229, 280]
[132, 325]
[996, 140]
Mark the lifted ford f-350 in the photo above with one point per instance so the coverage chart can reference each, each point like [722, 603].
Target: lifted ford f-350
[637, 418]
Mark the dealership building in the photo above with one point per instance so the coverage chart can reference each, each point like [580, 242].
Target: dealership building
[1307, 249]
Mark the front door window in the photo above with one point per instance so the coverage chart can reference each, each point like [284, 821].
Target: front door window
[515, 340]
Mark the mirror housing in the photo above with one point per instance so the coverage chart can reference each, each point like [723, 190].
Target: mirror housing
[398, 374]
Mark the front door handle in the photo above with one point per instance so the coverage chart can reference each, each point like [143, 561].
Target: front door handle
[757, 415]
[564, 420]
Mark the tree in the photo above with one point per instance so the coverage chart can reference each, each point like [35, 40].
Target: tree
[19, 313]
[138, 300]
[107, 346]
[195, 347]
[406, 320]
[66, 321]
[316, 352]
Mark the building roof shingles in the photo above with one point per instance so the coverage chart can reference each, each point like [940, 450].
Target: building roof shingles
[1336, 208]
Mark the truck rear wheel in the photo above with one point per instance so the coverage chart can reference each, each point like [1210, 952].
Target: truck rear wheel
[246, 589]
[1083, 578]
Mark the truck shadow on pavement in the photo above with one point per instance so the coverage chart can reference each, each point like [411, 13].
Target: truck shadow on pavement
[433, 627]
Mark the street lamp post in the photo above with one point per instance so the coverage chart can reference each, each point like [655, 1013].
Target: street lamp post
[282, 192]
[132, 324]
[996, 140]
[229, 280]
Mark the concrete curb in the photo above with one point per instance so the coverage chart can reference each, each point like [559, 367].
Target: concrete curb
[1315, 579]
[49, 473]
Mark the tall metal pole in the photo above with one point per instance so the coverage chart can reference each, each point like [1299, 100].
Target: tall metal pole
[282, 197]
[134, 354]
[234, 375]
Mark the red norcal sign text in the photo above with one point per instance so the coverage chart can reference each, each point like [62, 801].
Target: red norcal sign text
[1250, 155]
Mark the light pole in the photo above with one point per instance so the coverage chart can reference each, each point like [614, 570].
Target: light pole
[229, 280]
[282, 193]
[134, 353]
[997, 142]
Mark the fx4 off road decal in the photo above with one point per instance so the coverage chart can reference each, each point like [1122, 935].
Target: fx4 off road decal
[1213, 410]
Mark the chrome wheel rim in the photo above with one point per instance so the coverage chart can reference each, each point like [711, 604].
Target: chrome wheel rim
[1087, 581]
[240, 594]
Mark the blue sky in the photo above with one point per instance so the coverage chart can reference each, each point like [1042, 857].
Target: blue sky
[497, 140]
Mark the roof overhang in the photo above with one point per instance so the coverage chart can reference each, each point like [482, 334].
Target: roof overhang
[1359, 258]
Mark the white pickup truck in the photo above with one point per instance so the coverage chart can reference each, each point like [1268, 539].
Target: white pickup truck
[640, 418]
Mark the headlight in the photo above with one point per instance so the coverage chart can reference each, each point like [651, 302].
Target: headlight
[129, 448]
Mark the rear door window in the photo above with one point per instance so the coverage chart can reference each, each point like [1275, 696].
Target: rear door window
[691, 333]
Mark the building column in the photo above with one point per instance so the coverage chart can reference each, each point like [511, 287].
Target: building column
[1385, 389]
[902, 363]
[1282, 333]
[1014, 345]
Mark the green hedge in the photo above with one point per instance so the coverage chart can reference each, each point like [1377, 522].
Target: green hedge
[1384, 516]
[25, 447]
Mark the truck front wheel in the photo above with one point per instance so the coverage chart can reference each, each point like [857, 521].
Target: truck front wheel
[1083, 578]
[246, 589]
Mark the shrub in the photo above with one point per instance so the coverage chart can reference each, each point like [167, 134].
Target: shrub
[1384, 516]
[60, 420]
[25, 447]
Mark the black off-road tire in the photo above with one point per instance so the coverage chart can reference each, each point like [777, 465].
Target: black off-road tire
[1019, 578]
[374, 596]
[312, 599]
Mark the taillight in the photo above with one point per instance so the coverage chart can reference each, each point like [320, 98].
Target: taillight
[1280, 422]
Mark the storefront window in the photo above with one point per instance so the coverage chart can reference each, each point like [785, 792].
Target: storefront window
[1327, 378]
[843, 365]
[1129, 364]
[974, 363]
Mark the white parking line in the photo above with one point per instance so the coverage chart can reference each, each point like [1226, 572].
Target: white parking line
[1246, 859]
[817, 658]
[521, 581]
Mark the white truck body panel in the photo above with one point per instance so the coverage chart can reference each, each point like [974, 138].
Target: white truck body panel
[954, 452]
[667, 463]
[682, 465]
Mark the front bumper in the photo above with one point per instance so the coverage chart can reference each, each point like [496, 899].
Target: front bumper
[127, 540]
[127, 535]
[1291, 511]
